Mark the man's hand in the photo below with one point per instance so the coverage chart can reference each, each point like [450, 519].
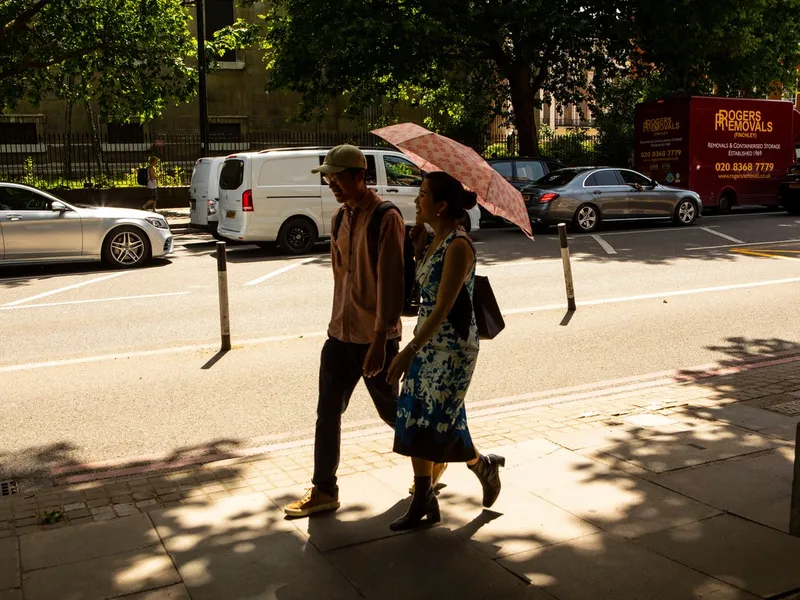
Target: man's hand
[376, 356]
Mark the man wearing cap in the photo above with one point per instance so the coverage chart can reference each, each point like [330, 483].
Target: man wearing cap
[364, 332]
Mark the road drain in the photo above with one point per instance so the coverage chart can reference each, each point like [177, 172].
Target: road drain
[8, 488]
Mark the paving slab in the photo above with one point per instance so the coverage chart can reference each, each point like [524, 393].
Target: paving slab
[609, 499]
[173, 592]
[747, 417]
[519, 521]
[368, 507]
[750, 556]
[772, 513]
[604, 566]
[429, 564]
[663, 453]
[243, 548]
[106, 577]
[753, 487]
[43, 549]
[9, 563]
[15, 594]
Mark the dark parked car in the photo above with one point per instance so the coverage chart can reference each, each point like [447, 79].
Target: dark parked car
[521, 172]
[790, 190]
[585, 196]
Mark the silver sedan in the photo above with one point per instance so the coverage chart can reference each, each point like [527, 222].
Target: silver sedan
[38, 227]
[585, 196]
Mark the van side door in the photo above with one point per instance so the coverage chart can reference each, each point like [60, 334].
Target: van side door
[403, 180]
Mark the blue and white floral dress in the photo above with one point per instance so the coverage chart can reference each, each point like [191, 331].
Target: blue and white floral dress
[431, 418]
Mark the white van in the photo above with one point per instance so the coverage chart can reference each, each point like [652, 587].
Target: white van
[204, 193]
[272, 196]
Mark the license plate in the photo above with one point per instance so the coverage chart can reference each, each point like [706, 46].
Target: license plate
[794, 185]
[230, 214]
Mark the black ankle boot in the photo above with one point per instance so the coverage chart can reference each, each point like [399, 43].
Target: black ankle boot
[488, 471]
[423, 504]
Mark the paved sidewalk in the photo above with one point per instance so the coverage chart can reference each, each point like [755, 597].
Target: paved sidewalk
[664, 492]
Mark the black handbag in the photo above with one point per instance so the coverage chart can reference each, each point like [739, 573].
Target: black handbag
[487, 312]
[488, 317]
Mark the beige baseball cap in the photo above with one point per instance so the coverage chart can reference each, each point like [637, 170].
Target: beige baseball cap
[341, 158]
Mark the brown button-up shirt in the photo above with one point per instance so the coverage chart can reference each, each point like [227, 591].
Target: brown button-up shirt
[366, 299]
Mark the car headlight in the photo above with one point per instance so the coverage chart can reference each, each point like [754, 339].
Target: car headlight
[156, 222]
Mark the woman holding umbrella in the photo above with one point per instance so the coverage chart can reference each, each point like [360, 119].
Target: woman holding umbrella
[439, 362]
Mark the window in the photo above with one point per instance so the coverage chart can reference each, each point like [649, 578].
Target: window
[18, 133]
[529, 170]
[554, 166]
[634, 178]
[232, 175]
[401, 172]
[224, 132]
[559, 178]
[219, 14]
[372, 171]
[125, 133]
[505, 169]
[12, 198]
[604, 178]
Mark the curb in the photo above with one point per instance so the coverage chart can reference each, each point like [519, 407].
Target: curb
[487, 409]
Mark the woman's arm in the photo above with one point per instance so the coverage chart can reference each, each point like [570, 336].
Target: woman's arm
[458, 260]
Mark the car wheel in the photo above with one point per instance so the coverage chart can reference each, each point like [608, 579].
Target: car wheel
[298, 236]
[213, 229]
[725, 204]
[685, 213]
[126, 248]
[587, 218]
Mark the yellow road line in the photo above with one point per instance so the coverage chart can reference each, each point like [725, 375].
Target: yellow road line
[763, 254]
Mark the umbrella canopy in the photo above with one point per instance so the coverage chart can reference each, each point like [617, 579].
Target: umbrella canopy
[433, 152]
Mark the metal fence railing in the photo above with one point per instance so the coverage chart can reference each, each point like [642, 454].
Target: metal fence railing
[79, 160]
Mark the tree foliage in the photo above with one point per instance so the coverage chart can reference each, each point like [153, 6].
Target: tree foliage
[132, 57]
[454, 56]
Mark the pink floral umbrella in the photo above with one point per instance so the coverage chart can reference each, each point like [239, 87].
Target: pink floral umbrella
[433, 152]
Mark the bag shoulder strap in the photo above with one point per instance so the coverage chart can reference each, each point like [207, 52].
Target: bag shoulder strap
[374, 227]
[337, 222]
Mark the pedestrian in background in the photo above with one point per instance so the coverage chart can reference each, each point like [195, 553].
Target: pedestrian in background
[364, 331]
[439, 362]
[152, 185]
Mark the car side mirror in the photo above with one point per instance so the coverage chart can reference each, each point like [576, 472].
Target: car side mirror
[58, 207]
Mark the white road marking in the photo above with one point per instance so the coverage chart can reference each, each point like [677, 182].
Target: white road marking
[722, 235]
[721, 288]
[92, 301]
[633, 232]
[279, 271]
[604, 245]
[67, 288]
[743, 244]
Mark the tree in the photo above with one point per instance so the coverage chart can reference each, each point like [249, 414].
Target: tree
[503, 52]
[132, 57]
[723, 47]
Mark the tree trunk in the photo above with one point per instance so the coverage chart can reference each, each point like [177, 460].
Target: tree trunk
[68, 136]
[523, 103]
[97, 148]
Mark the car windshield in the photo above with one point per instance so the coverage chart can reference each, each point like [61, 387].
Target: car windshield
[559, 178]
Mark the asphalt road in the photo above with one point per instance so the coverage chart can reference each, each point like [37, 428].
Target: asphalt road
[102, 365]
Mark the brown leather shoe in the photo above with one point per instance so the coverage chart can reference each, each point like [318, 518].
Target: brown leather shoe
[438, 471]
[314, 501]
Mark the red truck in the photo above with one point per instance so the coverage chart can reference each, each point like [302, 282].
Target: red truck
[730, 151]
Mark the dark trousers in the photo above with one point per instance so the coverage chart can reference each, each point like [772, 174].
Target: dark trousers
[339, 371]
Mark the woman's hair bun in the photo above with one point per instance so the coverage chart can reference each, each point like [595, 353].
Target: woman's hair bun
[469, 199]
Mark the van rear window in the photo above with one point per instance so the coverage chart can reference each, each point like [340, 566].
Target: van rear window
[232, 175]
